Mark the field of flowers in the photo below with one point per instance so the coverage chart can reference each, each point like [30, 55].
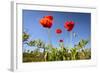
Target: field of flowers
[51, 53]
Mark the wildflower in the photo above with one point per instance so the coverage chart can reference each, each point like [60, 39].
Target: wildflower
[58, 31]
[61, 40]
[46, 23]
[69, 25]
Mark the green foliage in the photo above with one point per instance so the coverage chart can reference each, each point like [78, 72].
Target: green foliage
[25, 36]
[81, 44]
[37, 43]
[50, 53]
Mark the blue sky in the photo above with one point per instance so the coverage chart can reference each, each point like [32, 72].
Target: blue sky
[32, 26]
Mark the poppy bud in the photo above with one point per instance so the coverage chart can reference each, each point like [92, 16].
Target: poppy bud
[58, 31]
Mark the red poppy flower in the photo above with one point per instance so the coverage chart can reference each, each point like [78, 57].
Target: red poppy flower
[49, 17]
[61, 41]
[69, 25]
[45, 22]
[58, 31]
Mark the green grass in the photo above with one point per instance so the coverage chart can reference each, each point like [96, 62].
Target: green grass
[56, 55]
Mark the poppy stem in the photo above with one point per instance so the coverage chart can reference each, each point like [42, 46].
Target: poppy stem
[58, 39]
[49, 37]
[70, 39]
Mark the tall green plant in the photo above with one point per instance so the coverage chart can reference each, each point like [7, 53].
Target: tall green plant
[25, 36]
[81, 44]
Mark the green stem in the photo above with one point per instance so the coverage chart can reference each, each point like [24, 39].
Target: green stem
[70, 39]
[58, 38]
[49, 37]
[74, 57]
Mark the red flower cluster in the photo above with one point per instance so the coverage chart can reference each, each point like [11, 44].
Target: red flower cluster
[58, 31]
[46, 21]
[69, 25]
